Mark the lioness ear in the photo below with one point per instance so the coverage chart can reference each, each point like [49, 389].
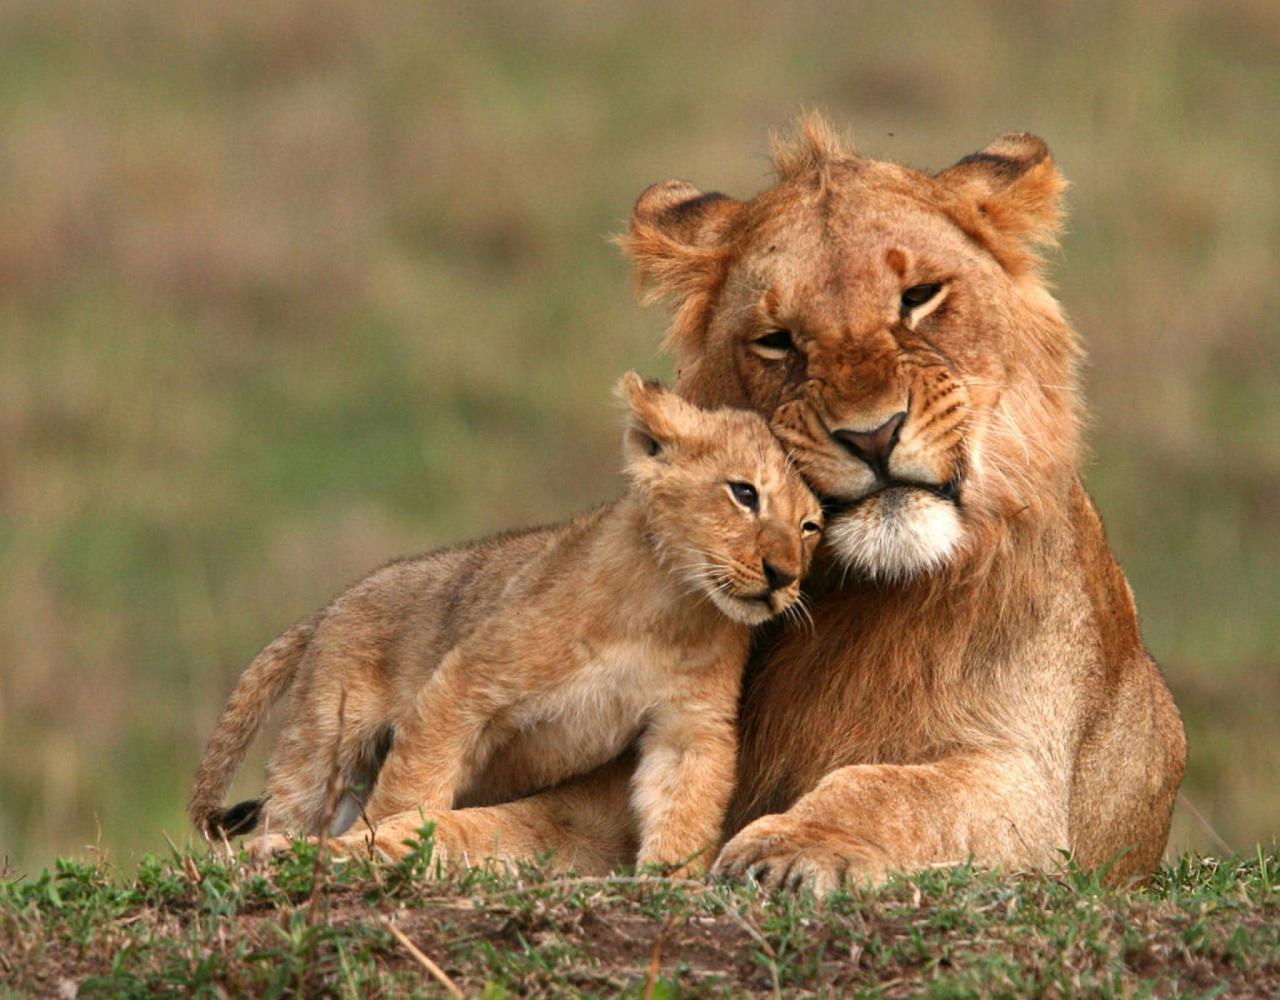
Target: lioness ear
[658, 419]
[683, 214]
[1014, 185]
[677, 244]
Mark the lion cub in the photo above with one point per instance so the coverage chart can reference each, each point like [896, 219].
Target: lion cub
[488, 671]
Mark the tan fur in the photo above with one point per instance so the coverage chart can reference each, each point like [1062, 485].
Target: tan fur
[975, 685]
[516, 663]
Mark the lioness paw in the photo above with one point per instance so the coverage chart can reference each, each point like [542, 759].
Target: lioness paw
[267, 846]
[780, 853]
[395, 837]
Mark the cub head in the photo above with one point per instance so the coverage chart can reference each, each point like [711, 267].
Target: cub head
[726, 510]
[893, 327]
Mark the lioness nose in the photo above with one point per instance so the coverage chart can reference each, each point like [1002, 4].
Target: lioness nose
[873, 447]
[777, 578]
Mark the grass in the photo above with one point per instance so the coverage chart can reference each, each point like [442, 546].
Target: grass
[289, 289]
[302, 925]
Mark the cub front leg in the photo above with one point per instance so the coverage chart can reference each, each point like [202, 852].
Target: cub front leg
[864, 821]
[681, 787]
[437, 748]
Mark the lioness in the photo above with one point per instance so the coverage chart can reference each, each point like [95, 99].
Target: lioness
[550, 649]
[975, 686]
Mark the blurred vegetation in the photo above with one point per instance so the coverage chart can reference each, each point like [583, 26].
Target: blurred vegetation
[288, 289]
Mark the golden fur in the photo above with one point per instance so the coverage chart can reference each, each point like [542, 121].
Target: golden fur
[516, 663]
[975, 686]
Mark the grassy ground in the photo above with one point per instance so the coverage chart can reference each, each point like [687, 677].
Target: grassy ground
[196, 924]
[287, 289]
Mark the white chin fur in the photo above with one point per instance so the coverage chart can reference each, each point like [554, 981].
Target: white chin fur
[897, 534]
[746, 612]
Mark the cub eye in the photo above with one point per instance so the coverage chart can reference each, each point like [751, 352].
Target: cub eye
[810, 527]
[745, 494]
[775, 345]
[917, 295]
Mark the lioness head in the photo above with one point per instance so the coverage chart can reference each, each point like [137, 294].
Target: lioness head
[727, 511]
[893, 327]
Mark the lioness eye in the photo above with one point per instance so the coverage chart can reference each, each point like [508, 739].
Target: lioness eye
[745, 494]
[918, 295]
[810, 527]
[774, 345]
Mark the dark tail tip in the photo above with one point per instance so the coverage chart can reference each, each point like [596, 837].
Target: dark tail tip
[235, 820]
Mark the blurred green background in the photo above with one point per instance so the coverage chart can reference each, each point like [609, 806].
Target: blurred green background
[287, 289]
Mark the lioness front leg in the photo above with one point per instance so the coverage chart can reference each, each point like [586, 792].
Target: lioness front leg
[582, 825]
[863, 821]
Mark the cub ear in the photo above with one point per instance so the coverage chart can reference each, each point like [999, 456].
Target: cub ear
[1014, 185]
[658, 419]
[677, 238]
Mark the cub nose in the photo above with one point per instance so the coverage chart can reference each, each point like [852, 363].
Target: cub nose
[777, 578]
[873, 447]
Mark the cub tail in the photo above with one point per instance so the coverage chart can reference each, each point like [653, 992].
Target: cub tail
[261, 684]
[235, 820]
